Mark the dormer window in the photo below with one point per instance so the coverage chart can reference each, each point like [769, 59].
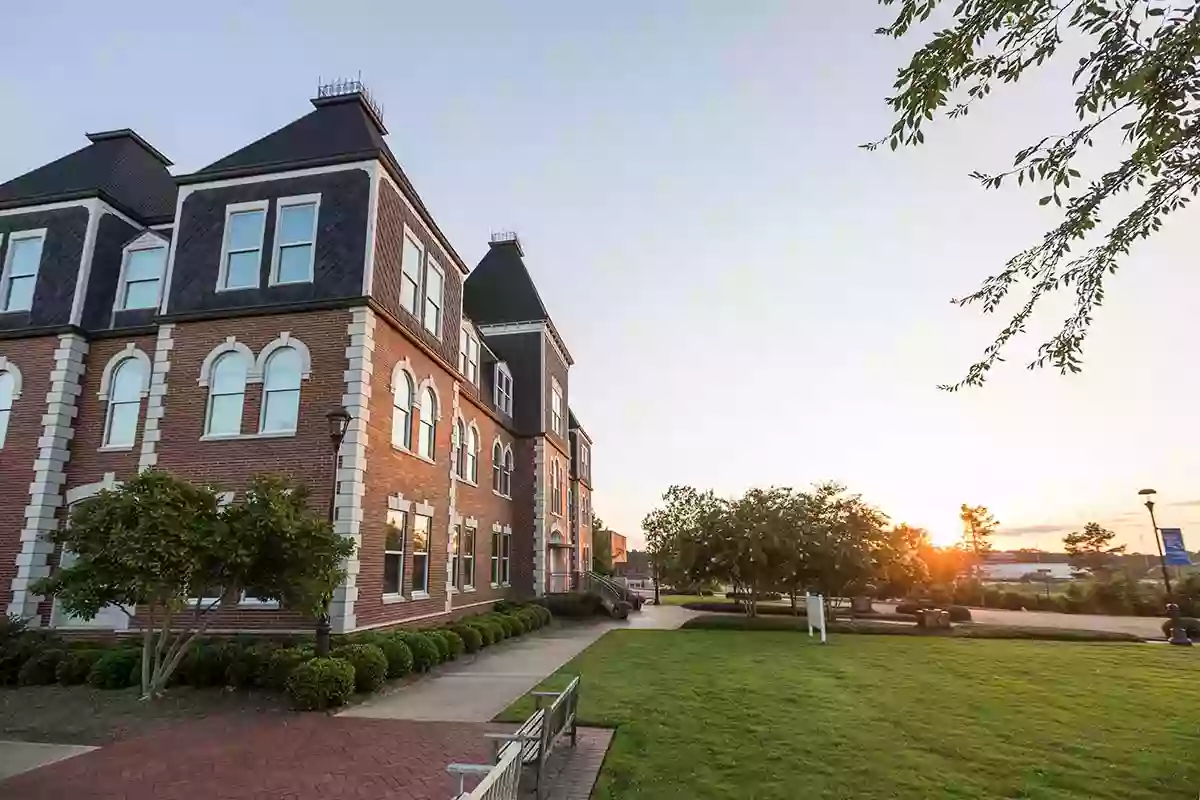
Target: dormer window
[141, 273]
[503, 390]
[556, 404]
[20, 269]
[468, 354]
[241, 253]
[295, 239]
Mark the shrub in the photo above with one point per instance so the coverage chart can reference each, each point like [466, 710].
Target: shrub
[248, 665]
[321, 683]
[513, 624]
[544, 613]
[19, 645]
[471, 637]
[908, 607]
[504, 606]
[575, 605]
[452, 637]
[399, 657]
[41, 669]
[282, 663]
[206, 664]
[369, 662]
[424, 651]
[745, 595]
[1190, 626]
[485, 631]
[115, 669]
[870, 627]
[75, 667]
[531, 619]
[1013, 601]
[443, 647]
[959, 613]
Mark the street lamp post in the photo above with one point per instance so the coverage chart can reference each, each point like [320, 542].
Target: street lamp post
[339, 423]
[1178, 634]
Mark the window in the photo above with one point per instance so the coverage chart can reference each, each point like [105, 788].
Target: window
[503, 394]
[21, 269]
[8, 388]
[393, 553]
[226, 395]
[505, 557]
[420, 545]
[496, 536]
[497, 469]
[281, 392]
[433, 298]
[455, 562]
[143, 274]
[556, 416]
[124, 403]
[402, 401]
[556, 488]
[428, 431]
[410, 273]
[585, 462]
[468, 558]
[508, 471]
[460, 447]
[468, 355]
[472, 452]
[295, 239]
[242, 258]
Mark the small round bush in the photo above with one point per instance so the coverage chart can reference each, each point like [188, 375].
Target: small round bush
[115, 669]
[399, 657]
[321, 683]
[443, 647]
[369, 662]
[206, 664]
[908, 607]
[1190, 626]
[455, 640]
[544, 613]
[282, 663]
[75, 667]
[248, 665]
[471, 637]
[959, 613]
[41, 669]
[520, 627]
[424, 651]
[530, 618]
[485, 633]
[512, 627]
[496, 630]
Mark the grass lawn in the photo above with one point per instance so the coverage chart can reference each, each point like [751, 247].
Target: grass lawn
[723, 714]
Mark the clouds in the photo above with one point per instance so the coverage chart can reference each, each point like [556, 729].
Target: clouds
[1183, 503]
[1033, 530]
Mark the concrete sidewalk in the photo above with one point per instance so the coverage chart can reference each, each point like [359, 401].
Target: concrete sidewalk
[479, 690]
[18, 757]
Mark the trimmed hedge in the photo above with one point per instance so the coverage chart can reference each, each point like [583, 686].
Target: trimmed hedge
[424, 651]
[249, 665]
[282, 663]
[399, 657]
[730, 608]
[205, 664]
[1190, 626]
[471, 636]
[42, 668]
[957, 613]
[115, 669]
[369, 662]
[457, 645]
[871, 627]
[321, 683]
[443, 647]
[768, 596]
[75, 667]
[486, 631]
[576, 605]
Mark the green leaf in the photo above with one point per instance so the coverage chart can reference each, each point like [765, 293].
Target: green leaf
[1045, 200]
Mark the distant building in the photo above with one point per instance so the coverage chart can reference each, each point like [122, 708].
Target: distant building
[619, 552]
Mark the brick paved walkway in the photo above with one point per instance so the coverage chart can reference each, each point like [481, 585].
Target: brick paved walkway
[272, 757]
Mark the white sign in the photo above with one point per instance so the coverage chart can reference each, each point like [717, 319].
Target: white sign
[814, 605]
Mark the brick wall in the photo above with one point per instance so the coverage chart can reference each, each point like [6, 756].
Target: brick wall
[34, 358]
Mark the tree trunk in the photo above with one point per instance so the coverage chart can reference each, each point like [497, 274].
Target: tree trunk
[792, 593]
[656, 599]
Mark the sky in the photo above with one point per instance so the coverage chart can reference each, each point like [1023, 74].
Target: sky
[750, 299]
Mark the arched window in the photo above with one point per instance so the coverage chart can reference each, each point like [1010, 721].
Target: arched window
[460, 449]
[226, 395]
[124, 403]
[8, 386]
[472, 455]
[428, 431]
[497, 469]
[402, 402]
[508, 471]
[281, 392]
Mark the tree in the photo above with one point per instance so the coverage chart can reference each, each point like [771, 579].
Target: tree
[901, 564]
[978, 527]
[1092, 549]
[601, 547]
[157, 540]
[668, 527]
[1136, 87]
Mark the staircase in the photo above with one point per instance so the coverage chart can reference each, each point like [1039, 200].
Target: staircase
[617, 600]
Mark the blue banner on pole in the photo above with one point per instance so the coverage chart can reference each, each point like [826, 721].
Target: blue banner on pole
[1175, 554]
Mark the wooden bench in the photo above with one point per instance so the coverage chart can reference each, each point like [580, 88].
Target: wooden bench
[536, 737]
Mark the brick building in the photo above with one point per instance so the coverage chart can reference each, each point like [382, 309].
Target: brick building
[206, 324]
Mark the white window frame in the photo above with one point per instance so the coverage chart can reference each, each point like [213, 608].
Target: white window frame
[143, 384]
[208, 403]
[454, 569]
[468, 354]
[432, 423]
[556, 403]
[506, 557]
[556, 488]
[432, 264]
[6, 276]
[498, 468]
[471, 455]
[421, 593]
[585, 461]
[495, 573]
[266, 390]
[503, 379]
[403, 378]
[402, 516]
[417, 275]
[506, 485]
[223, 270]
[286, 202]
[123, 283]
[467, 557]
[10, 369]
